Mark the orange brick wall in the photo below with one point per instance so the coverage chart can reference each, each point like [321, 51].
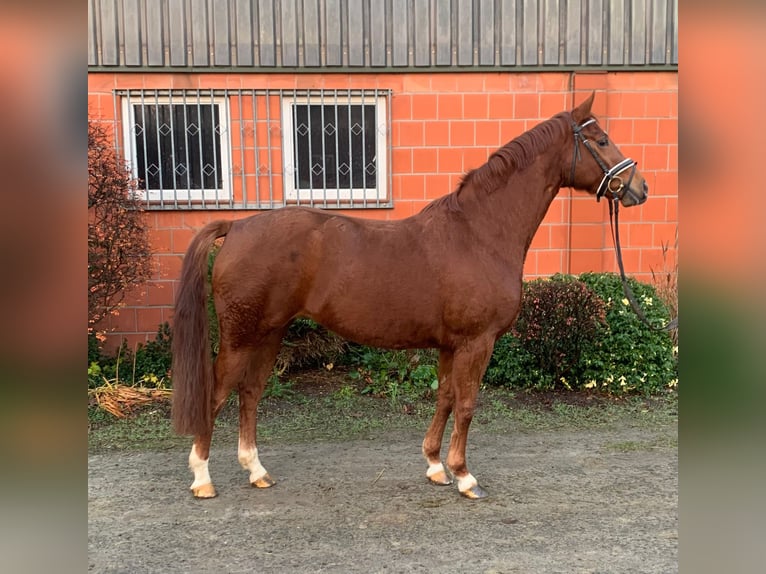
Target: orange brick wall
[441, 126]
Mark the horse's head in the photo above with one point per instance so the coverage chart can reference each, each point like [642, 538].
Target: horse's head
[598, 165]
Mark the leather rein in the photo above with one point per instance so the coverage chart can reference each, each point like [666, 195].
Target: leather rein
[613, 183]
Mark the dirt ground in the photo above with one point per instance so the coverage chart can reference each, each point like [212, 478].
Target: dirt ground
[570, 502]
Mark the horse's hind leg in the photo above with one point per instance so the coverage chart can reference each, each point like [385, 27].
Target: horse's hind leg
[230, 367]
[432, 442]
[250, 391]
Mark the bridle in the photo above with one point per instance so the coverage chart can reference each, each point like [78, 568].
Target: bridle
[613, 182]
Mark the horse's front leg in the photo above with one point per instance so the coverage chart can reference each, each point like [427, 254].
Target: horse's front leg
[432, 442]
[468, 366]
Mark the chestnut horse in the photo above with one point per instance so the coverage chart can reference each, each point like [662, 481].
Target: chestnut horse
[449, 278]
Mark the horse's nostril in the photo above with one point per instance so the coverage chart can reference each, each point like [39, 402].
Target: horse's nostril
[646, 187]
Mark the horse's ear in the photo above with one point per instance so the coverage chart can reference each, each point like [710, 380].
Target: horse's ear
[581, 112]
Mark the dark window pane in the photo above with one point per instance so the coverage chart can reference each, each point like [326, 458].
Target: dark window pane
[335, 146]
[178, 146]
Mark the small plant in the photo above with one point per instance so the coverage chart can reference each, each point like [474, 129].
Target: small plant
[398, 375]
[277, 389]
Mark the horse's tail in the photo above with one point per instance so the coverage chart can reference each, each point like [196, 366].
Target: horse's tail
[192, 371]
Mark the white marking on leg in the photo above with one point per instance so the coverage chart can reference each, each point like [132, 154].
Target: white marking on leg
[434, 468]
[200, 469]
[248, 458]
[466, 483]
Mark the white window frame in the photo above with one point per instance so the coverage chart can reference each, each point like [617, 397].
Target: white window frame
[377, 195]
[173, 194]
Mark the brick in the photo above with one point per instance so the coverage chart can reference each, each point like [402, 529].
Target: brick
[487, 133]
[549, 261]
[655, 158]
[541, 238]
[633, 105]
[450, 160]
[497, 82]
[501, 106]
[412, 187]
[552, 104]
[401, 107]
[437, 133]
[659, 104]
[410, 134]
[470, 82]
[510, 129]
[160, 240]
[475, 106]
[148, 319]
[620, 131]
[581, 261]
[424, 107]
[526, 106]
[559, 236]
[523, 83]
[160, 293]
[637, 235]
[474, 157]
[437, 185]
[588, 236]
[424, 160]
[401, 160]
[461, 133]
[182, 237]
[667, 131]
[446, 82]
[585, 209]
[553, 82]
[587, 82]
[450, 106]
[645, 131]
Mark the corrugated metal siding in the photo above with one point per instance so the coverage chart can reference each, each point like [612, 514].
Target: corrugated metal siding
[382, 34]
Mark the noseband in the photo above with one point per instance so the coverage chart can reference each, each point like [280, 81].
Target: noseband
[611, 180]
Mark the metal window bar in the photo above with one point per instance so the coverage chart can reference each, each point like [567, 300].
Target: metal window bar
[220, 194]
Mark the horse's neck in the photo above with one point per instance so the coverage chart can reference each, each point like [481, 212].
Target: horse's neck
[511, 214]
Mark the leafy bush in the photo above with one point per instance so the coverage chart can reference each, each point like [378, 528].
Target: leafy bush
[119, 257]
[632, 357]
[555, 343]
[148, 365]
[397, 375]
[559, 318]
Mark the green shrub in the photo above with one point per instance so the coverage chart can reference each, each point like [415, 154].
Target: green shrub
[633, 357]
[615, 352]
[397, 375]
[148, 365]
[559, 318]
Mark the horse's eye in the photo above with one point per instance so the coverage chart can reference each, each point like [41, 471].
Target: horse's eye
[603, 142]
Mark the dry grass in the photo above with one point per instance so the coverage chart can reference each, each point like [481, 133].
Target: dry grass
[665, 282]
[120, 400]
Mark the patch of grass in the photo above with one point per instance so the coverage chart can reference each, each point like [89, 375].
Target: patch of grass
[341, 413]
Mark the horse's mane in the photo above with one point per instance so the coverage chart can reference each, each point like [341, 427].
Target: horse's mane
[515, 155]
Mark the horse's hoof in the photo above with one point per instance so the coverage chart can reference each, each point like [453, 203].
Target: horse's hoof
[440, 478]
[204, 491]
[476, 492]
[264, 482]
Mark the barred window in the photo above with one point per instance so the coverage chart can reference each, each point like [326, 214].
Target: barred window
[257, 148]
[177, 147]
[335, 148]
